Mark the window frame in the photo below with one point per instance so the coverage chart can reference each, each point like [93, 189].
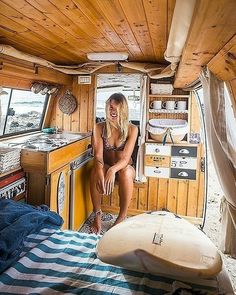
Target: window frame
[24, 131]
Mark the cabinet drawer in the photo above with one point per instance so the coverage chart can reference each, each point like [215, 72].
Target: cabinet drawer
[157, 172]
[155, 149]
[183, 173]
[184, 162]
[160, 161]
[184, 151]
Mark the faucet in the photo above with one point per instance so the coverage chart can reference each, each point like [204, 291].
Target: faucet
[57, 129]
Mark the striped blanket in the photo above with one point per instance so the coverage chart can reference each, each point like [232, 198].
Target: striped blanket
[58, 262]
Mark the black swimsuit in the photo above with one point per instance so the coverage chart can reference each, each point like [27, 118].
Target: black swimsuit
[107, 146]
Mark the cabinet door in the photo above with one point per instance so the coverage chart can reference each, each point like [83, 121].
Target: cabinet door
[81, 204]
[59, 197]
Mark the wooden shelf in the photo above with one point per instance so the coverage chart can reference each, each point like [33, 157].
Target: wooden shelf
[163, 111]
[182, 142]
[169, 95]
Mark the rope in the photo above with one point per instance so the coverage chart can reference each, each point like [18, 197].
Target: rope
[168, 132]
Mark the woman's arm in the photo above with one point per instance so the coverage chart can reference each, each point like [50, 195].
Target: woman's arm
[126, 154]
[123, 160]
[98, 157]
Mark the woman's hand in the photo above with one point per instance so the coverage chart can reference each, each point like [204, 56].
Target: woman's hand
[109, 181]
[100, 181]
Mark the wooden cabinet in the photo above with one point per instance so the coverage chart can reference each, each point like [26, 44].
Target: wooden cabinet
[175, 170]
[49, 176]
[80, 202]
[170, 161]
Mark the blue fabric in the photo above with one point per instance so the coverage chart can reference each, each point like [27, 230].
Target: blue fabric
[17, 221]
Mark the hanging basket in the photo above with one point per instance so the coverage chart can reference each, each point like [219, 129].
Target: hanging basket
[67, 103]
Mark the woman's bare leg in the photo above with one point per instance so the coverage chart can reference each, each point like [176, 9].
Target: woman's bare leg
[126, 185]
[96, 201]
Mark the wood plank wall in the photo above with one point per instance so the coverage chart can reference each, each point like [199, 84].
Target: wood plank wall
[81, 120]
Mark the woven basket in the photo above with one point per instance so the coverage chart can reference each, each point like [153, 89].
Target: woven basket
[67, 103]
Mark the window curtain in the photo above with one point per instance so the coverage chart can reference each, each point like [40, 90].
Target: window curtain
[143, 116]
[221, 135]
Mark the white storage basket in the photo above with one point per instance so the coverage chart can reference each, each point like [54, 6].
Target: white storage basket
[172, 128]
[9, 159]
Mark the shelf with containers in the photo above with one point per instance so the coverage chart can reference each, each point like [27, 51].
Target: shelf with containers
[174, 109]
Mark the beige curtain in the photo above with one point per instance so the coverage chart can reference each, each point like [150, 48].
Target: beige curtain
[221, 135]
[140, 157]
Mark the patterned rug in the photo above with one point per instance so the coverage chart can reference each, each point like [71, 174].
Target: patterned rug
[108, 220]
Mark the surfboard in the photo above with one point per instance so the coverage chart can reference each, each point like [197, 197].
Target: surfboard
[160, 243]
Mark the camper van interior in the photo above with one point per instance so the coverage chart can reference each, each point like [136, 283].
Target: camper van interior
[60, 60]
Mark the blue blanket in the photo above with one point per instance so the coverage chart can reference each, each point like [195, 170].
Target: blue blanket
[17, 221]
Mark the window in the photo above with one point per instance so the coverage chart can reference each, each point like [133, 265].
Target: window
[127, 84]
[21, 111]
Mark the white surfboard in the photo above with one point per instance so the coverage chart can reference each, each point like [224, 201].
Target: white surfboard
[160, 243]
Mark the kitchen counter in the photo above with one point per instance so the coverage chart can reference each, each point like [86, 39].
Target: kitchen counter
[43, 142]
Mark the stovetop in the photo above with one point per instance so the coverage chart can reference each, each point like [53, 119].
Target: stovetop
[47, 142]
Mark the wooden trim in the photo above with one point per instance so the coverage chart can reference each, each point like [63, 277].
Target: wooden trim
[14, 68]
[10, 171]
[169, 95]
[56, 159]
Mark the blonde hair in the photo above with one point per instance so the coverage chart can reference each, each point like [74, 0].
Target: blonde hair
[123, 115]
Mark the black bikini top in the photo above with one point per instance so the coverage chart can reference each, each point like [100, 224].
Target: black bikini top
[107, 146]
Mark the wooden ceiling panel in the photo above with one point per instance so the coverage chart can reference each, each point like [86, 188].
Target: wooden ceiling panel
[26, 15]
[214, 24]
[223, 65]
[157, 22]
[136, 17]
[50, 11]
[23, 35]
[112, 11]
[88, 30]
[65, 30]
[91, 9]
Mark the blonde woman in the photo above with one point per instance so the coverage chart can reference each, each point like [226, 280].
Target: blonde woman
[113, 143]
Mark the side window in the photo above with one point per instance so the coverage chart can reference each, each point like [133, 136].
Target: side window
[21, 111]
[127, 84]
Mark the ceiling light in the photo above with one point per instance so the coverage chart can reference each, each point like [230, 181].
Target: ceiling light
[107, 56]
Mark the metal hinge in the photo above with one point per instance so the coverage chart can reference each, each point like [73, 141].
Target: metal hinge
[48, 179]
[202, 164]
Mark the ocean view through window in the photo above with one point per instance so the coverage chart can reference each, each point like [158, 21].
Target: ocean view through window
[21, 111]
